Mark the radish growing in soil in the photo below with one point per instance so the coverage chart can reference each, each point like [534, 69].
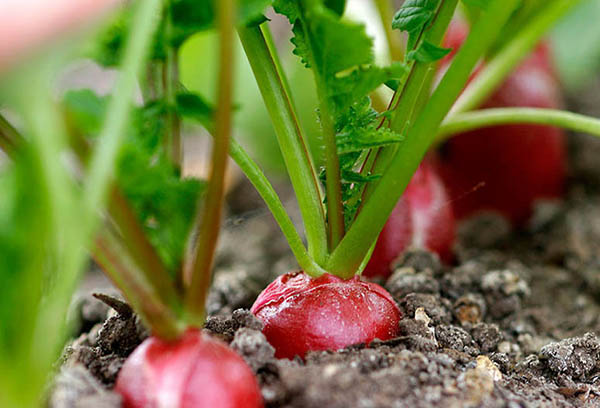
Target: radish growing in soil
[185, 369]
[301, 314]
[158, 247]
[517, 164]
[194, 371]
[369, 159]
[164, 276]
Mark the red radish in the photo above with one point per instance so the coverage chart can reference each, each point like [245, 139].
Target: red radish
[456, 35]
[517, 164]
[302, 314]
[422, 218]
[194, 371]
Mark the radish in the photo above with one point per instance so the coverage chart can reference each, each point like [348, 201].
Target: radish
[193, 371]
[302, 314]
[423, 218]
[517, 164]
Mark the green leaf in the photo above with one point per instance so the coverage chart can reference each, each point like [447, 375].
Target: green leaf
[428, 52]
[358, 129]
[413, 16]
[187, 17]
[106, 50]
[324, 41]
[392, 84]
[192, 16]
[193, 106]
[86, 110]
[337, 6]
[344, 90]
[164, 203]
[288, 8]
[339, 51]
[363, 138]
[341, 54]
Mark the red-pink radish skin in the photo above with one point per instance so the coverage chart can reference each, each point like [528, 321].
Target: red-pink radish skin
[302, 314]
[423, 218]
[194, 371]
[514, 165]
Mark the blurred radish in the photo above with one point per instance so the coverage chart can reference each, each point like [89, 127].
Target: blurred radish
[518, 164]
[422, 218]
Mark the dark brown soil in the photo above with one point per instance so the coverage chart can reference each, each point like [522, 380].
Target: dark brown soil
[513, 323]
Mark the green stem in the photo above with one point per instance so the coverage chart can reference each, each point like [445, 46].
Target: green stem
[30, 356]
[198, 275]
[510, 55]
[140, 249]
[347, 257]
[464, 122]
[268, 194]
[291, 140]
[386, 15]
[405, 110]
[143, 26]
[48, 141]
[408, 100]
[122, 214]
[9, 137]
[266, 31]
[333, 183]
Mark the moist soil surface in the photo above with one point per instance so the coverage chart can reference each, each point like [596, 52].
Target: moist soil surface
[513, 323]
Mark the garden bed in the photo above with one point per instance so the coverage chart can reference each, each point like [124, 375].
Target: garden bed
[512, 323]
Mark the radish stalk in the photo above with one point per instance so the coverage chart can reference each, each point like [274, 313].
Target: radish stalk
[197, 274]
[291, 139]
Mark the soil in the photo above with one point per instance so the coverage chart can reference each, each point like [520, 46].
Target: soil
[513, 323]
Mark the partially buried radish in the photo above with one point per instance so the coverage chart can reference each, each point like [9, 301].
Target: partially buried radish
[193, 371]
[423, 218]
[301, 314]
[513, 166]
